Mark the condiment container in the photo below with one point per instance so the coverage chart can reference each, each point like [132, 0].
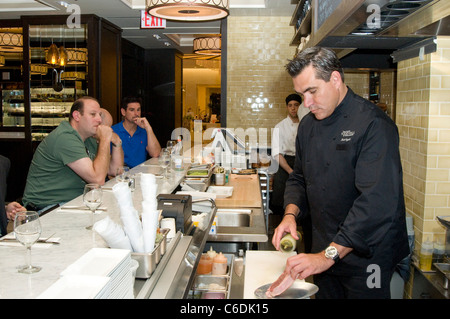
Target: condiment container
[426, 256]
[289, 243]
[219, 266]
[204, 265]
[220, 179]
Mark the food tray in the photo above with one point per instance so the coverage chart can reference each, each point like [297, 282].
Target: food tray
[221, 191]
[203, 171]
[213, 286]
[149, 261]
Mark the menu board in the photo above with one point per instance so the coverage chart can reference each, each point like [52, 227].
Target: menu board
[324, 8]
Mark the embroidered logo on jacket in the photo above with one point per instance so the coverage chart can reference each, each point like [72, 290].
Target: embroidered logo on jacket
[347, 135]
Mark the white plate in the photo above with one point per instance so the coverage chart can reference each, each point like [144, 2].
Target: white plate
[77, 287]
[98, 262]
[221, 191]
[298, 290]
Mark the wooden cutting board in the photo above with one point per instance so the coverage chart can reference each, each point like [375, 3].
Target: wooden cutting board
[262, 267]
[246, 192]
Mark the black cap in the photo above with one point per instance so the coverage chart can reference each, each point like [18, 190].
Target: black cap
[295, 97]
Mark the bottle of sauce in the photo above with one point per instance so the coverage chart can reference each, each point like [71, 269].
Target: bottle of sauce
[219, 266]
[288, 243]
[426, 256]
[204, 265]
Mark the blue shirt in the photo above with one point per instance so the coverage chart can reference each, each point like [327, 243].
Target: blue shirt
[134, 147]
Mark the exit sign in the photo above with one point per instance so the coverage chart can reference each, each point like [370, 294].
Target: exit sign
[151, 22]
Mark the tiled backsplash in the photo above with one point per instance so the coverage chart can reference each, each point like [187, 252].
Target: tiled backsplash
[423, 119]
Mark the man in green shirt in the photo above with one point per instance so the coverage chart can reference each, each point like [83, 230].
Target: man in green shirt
[69, 157]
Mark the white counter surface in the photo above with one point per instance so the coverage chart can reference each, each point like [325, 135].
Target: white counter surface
[75, 240]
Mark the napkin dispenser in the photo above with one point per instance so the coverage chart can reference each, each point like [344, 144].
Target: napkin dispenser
[178, 207]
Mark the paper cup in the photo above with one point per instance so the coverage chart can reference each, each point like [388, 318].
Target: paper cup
[170, 224]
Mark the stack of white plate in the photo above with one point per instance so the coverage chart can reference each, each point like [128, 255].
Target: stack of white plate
[114, 265]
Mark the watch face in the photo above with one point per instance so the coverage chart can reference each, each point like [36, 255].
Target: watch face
[331, 252]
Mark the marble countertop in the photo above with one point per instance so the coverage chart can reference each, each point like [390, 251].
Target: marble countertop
[69, 227]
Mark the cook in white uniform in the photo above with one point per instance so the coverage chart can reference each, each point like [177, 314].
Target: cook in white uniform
[283, 149]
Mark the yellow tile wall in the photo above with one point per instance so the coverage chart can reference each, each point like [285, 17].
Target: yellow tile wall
[257, 82]
[423, 119]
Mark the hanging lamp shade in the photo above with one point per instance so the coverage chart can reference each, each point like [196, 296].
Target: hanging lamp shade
[208, 45]
[52, 56]
[62, 56]
[188, 10]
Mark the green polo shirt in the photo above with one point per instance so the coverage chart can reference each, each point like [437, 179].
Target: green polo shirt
[50, 180]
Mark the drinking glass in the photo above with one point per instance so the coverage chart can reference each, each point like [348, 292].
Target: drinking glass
[123, 174]
[164, 161]
[170, 146]
[92, 198]
[27, 229]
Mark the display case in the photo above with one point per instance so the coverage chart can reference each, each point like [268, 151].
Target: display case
[37, 93]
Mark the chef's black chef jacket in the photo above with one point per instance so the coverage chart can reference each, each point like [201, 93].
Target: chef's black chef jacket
[348, 177]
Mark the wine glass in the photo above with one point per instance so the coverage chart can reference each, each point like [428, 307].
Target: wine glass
[92, 198]
[170, 146]
[164, 161]
[27, 229]
[123, 174]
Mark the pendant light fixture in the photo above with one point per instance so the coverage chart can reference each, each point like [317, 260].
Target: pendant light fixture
[188, 10]
[52, 56]
[210, 45]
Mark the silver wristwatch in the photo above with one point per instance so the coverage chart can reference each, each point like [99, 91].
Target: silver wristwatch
[332, 253]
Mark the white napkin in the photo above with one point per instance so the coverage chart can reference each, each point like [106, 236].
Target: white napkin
[113, 234]
[150, 217]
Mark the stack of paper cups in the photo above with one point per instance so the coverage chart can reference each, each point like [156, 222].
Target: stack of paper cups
[169, 223]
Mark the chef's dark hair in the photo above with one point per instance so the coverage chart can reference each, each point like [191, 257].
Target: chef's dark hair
[78, 105]
[323, 60]
[130, 99]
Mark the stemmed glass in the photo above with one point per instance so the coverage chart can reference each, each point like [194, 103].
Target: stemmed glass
[123, 174]
[92, 198]
[170, 146]
[27, 229]
[164, 161]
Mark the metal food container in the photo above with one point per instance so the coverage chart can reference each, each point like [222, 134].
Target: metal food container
[213, 286]
[149, 261]
[444, 273]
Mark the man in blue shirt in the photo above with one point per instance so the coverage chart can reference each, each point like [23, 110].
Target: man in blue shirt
[136, 134]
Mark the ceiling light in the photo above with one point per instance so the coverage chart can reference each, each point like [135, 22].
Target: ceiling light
[208, 45]
[188, 10]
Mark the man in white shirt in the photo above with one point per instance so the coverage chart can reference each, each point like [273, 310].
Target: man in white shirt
[283, 150]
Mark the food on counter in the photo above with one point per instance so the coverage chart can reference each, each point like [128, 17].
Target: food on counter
[204, 265]
[213, 295]
[197, 172]
[280, 285]
[212, 286]
[219, 266]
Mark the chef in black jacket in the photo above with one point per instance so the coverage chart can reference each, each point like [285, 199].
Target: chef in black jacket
[348, 177]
